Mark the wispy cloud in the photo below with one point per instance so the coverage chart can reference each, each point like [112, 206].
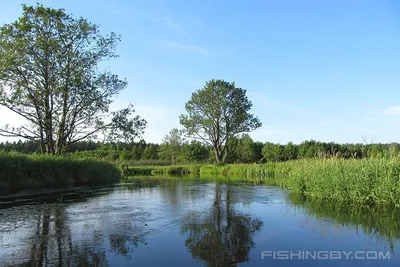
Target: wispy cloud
[394, 111]
[186, 47]
[261, 99]
[171, 24]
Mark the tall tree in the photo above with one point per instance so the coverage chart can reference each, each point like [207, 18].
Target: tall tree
[218, 112]
[50, 76]
[171, 146]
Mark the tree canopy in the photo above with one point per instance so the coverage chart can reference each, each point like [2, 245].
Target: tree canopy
[172, 144]
[50, 76]
[218, 112]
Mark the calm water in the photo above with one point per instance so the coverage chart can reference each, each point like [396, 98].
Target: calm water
[152, 222]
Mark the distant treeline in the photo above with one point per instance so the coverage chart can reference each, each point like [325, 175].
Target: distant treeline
[242, 150]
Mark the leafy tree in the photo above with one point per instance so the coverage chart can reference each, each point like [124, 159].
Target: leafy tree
[247, 149]
[290, 151]
[234, 150]
[309, 149]
[150, 152]
[172, 144]
[194, 152]
[218, 112]
[50, 76]
[273, 152]
[258, 146]
[126, 154]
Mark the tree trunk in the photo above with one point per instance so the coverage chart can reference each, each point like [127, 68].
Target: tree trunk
[218, 154]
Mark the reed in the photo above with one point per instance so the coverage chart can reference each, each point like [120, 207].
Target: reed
[27, 172]
[365, 181]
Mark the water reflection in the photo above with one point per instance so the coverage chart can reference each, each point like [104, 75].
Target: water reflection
[378, 222]
[174, 222]
[222, 236]
[47, 239]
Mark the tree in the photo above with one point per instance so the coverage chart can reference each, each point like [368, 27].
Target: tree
[246, 149]
[50, 76]
[290, 151]
[172, 145]
[216, 113]
[195, 152]
[150, 152]
[273, 152]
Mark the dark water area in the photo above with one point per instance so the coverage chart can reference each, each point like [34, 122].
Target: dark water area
[174, 222]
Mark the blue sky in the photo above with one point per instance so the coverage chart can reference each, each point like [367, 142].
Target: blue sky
[324, 70]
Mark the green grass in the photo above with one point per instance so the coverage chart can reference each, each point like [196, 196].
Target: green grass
[28, 172]
[372, 181]
[161, 170]
[367, 181]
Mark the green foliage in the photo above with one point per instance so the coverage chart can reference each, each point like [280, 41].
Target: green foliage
[372, 181]
[218, 112]
[22, 172]
[142, 162]
[172, 144]
[150, 152]
[368, 182]
[50, 76]
[195, 152]
[126, 155]
[242, 150]
[162, 170]
[273, 152]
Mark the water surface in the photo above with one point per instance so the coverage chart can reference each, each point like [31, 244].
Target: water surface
[174, 222]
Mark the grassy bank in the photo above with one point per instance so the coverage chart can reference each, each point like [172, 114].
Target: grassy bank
[161, 170]
[368, 181]
[29, 172]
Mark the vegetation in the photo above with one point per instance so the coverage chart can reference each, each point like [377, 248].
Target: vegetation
[172, 145]
[50, 76]
[27, 172]
[243, 150]
[368, 181]
[216, 113]
[374, 221]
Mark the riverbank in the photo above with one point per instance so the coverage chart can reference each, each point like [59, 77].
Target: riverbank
[20, 172]
[367, 181]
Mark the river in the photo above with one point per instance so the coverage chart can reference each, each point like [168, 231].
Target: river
[187, 222]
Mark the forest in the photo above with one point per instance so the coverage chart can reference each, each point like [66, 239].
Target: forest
[176, 150]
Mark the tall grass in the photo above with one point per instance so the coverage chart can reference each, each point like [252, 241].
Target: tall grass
[161, 170]
[367, 181]
[149, 162]
[21, 172]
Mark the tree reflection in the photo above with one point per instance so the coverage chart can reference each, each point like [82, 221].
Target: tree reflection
[377, 221]
[52, 242]
[224, 236]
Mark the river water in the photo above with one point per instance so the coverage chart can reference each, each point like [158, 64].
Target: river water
[174, 222]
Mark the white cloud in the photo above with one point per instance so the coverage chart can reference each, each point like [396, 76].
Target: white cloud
[186, 47]
[394, 111]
